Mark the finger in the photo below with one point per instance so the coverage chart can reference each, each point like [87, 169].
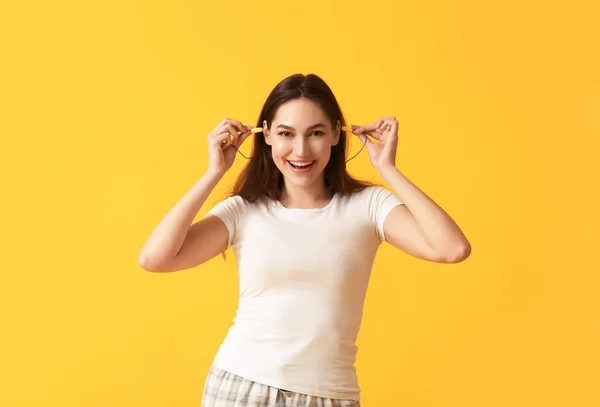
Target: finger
[244, 131]
[242, 138]
[221, 128]
[365, 140]
[391, 125]
[237, 125]
[222, 140]
[233, 131]
[367, 127]
[225, 133]
[381, 125]
[385, 126]
[394, 128]
[376, 134]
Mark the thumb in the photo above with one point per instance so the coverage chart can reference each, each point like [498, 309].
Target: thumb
[242, 138]
[364, 138]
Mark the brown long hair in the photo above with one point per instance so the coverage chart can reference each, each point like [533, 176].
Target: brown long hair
[260, 179]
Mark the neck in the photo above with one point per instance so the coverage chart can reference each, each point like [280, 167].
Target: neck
[311, 196]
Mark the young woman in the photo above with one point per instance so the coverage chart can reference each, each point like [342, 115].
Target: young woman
[305, 235]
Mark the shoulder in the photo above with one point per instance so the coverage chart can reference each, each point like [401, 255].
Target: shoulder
[371, 193]
[375, 200]
[361, 200]
[236, 200]
[232, 205]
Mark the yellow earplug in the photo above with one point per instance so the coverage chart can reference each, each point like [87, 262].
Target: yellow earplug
[346, 128]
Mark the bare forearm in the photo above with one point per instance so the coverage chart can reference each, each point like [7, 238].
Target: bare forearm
[167, 238]
[439, 229]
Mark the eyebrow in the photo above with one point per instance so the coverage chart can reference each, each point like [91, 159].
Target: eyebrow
[311, 127]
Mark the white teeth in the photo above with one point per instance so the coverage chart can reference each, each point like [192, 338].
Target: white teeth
[301, 164]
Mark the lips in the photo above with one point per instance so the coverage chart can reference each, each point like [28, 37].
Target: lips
[301, 166]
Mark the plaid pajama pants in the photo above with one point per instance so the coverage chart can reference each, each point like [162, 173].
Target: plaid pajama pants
[224, 389]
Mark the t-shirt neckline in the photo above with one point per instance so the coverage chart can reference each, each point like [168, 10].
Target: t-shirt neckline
[308, 210]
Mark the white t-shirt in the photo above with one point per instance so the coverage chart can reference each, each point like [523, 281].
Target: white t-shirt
[303, 276]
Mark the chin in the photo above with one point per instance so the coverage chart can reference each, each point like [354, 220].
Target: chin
[293, 181]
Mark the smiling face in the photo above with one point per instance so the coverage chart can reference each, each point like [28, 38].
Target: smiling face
[301, 138]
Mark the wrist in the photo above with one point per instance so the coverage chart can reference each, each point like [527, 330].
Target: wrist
[388, 170]
[213, 176]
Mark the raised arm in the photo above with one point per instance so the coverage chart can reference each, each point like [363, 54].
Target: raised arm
[420, 227]
[175, 244]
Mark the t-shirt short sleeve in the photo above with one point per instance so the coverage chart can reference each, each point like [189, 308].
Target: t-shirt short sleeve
[229, 211]
[380, 202]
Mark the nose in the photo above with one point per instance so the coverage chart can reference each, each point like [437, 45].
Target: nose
[301, 147]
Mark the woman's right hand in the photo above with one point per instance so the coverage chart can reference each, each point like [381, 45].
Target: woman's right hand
[221, 151]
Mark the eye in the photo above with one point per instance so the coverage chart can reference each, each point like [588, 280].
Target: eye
[318, 133]
[284, 133]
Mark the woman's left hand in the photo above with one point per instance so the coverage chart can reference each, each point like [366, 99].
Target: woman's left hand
[385, 131]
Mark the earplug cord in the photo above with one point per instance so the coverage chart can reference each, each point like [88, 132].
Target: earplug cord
[363, 146]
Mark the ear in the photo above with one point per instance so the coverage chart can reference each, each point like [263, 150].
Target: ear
[266, 133]
[337, 133]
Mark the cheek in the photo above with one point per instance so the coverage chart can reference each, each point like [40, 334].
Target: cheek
[322, 148]
[281, 148]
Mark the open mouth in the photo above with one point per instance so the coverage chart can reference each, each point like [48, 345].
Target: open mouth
[301, 166]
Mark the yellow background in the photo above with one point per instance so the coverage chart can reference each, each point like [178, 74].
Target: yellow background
[105, 107]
